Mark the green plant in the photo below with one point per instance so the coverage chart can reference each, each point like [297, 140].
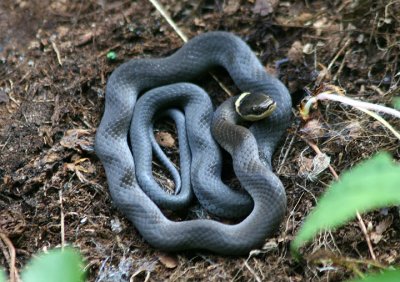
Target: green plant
[396, 103]
[370, 185]
[112, 56]
[2, 276]
[56, 265]
[386, 276]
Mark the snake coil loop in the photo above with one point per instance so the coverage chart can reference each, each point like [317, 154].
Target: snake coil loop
[251, 149]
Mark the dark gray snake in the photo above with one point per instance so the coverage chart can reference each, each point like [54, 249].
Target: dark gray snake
[251, 149]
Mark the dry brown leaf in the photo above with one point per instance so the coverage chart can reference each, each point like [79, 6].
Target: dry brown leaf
[384, 225]
[3, 96]
[313, 130]
[303, 18]
[305, 166]
[78, 139]
[295, 53]
[165, 139]
[51, 158]
[264, 7]
[199, 22]
[231, 6]
[168, 261]
[377, 235]
[311, 168]
[80, 169]
[320, 25]
[353, 130]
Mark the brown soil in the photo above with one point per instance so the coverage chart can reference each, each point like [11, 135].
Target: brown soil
[53, 72]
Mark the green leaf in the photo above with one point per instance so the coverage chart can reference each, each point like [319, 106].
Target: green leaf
[396, 103]
[386, 276]
[111, 55]
[370, 185]
[2, 276]
[58, 265]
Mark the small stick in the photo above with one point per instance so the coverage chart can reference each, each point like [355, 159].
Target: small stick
[184, 38]
[341, 66]
[9, 94]
[14, 277]
[360, 220]
[338, 54]
[287, 152]
[318, 151]
[62, 221]
[258, 279]
[57, 52]
[360, 105]
[355, 103]
[364, 230]
[164, 13]
[381, 120]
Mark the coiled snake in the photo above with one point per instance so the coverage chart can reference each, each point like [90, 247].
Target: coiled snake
[251, 149]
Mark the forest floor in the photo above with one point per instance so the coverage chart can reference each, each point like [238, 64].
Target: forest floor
[53, 73]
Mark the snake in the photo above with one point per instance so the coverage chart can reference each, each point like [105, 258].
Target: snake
[251, 148]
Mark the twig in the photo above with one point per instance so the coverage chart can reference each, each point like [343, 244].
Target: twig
[335, 77]
[287, 151]
[364, 230]
[164, 13]
[381, 120]
[9, 94]
[57, 52]
[14, 277]
[360, 220]
[62, 221]
[318, 151]
[338, 54]
[3, 146]
[184, 38]
[360, 105]
[258, 279]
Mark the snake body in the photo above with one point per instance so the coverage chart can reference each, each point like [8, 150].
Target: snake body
[251, 149]
[206, 160]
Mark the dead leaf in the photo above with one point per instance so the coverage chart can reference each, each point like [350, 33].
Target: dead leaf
[384, 225]
[377, 235]
[308, 49]
[80, 169]
[47, 133]
[4, 97]
[50, 158]
[311, 168]
[303, 18]
[320, 25]
[231, 6]
[165, 139]
[199, 22]
[264, 7]
[168, 261]
[352, 131]
[313, 130]
[78, 139]
[295, 53]
[305, 166]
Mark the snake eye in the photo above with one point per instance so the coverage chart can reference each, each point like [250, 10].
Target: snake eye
[255, 106]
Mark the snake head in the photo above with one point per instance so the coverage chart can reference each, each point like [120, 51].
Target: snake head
[254, 106]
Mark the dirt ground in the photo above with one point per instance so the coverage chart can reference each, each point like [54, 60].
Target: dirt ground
[53, 72]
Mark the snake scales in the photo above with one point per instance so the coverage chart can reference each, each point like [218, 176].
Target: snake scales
[251, 148]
